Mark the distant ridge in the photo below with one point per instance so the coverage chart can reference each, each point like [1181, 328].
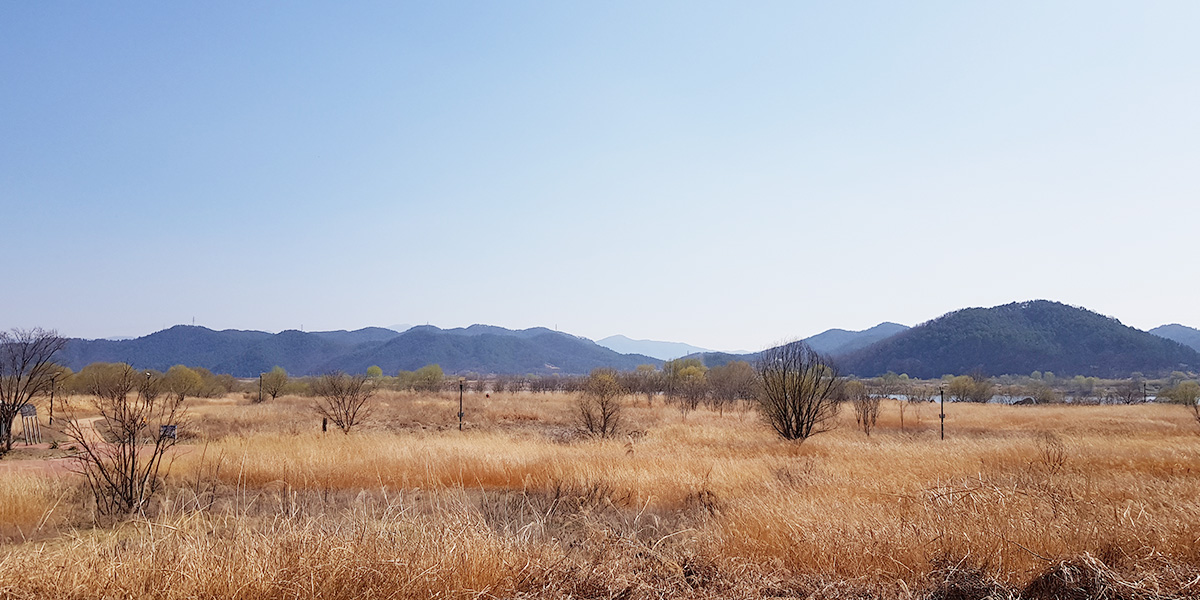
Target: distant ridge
[489, 349]
[837, 342]
[478, 348]
[832, 343]
[1015, 338]
[657, 349]
[1183, 334]
[1020, 338]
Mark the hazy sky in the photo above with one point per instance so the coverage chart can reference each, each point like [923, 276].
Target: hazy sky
[724, 174]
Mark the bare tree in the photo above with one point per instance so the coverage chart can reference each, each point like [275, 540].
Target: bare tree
[731, 383]
[1128, 392]
[866, 405]
[343, 399]
[26, 370]
[121, 452]
[645, 379]
[915, 395]
[798, 391]
[599, 406]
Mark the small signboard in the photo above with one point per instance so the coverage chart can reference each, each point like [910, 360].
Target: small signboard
[28, 410]
[167, 431]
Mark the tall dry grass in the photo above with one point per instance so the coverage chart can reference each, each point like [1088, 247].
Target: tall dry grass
[32, 503]
[1045, 501]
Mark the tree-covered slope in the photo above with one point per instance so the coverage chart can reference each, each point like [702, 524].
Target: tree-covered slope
[490, 350]
[1020, 338]
[182, 344]
[479, 348]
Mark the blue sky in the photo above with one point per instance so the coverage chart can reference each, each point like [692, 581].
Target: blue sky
[724, 174]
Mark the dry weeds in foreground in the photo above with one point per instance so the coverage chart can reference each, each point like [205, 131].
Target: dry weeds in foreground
[1037, 502]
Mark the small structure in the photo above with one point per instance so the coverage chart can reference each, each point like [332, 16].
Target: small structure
[29, 424]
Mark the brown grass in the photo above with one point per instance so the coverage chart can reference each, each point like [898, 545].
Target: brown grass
[1043, 501]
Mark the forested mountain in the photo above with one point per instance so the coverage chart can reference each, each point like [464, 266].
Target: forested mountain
[1020, 338]
[1015, 338]
[1180, 333]
[487, 349]
[479, 348]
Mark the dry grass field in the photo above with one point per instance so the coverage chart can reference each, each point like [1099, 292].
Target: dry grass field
[1018, 501]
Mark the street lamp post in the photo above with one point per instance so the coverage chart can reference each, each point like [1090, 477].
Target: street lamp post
[461, 383]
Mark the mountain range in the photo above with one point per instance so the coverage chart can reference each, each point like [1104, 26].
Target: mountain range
[478, 348]
[1015, 338]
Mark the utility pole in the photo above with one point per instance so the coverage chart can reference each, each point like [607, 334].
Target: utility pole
[260, 388]
[943, 413]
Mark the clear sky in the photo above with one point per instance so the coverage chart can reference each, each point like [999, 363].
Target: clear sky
[723, 174]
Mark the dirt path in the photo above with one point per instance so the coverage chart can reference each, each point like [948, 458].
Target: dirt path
[14, 463]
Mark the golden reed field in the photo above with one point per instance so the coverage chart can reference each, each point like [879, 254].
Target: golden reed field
[1018, 501]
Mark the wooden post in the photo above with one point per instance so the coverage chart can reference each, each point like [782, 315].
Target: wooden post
[461, 382]
[53, 385]
[943, 413]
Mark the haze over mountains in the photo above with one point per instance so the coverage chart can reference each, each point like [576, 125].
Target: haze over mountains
[655, 348]
[838, 342]
[1187, 336]
[1015, 338]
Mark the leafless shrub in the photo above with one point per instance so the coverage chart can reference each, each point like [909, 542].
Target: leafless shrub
[1052, 452]
[961, 581]
[121, 452]
[343, 399]
[598, 408]
[866, 405]
[916, 395]
[799, 391]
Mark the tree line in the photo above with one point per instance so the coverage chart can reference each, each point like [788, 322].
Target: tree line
[797, 392]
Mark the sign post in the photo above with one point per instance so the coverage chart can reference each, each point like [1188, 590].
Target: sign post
[30, 426]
